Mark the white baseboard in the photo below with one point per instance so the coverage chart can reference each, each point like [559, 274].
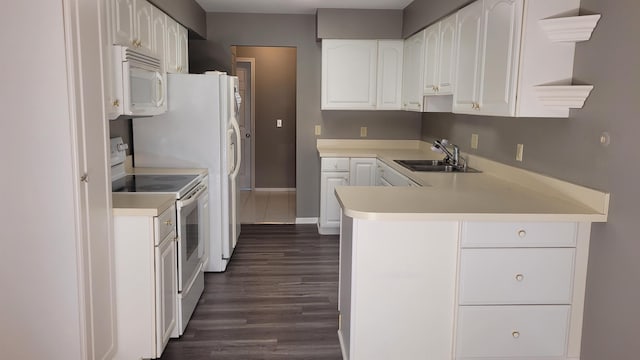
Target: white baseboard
[274, 189]
[309, 220]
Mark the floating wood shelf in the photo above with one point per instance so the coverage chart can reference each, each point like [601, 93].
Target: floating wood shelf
[570, 29]
[563, 96]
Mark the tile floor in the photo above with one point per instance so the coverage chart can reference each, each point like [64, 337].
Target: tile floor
[267, 207]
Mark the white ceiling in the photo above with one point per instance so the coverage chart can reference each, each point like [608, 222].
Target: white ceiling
[296, 6]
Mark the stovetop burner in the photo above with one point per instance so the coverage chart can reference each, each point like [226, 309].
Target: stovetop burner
[153, 183]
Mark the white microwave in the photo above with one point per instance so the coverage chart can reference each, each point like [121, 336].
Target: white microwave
[140, 82]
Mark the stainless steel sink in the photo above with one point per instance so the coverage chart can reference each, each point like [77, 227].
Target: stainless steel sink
[433, 166]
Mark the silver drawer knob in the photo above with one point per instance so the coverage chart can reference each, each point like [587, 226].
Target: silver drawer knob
[519, 277]
[515, 334]
[522, 233]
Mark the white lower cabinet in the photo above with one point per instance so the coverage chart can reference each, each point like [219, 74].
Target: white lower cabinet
[435, 290]
[362, 171]
[146, 283]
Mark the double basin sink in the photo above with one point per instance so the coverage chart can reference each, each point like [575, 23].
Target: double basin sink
[433, 166]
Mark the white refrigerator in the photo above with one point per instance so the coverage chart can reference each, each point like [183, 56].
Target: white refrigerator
[200, 130]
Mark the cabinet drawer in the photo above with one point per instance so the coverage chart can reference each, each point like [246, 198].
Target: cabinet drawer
[516, 276]
[508, 332]
[335, 164]
[165, 224]
[518, 234]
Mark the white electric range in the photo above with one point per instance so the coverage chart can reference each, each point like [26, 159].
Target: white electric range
[192, 214]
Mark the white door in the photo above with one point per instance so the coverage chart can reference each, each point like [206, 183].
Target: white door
[122, 22]
[413, 73]
[244, 71]
[144, 25]
[390, 53]
[159, 35]
[431, 54]
[166, 290]
[349, 74]
[501, 44]
[447, 57]
[330, 208]
[171, 56]
[469, 50]
[363, 172]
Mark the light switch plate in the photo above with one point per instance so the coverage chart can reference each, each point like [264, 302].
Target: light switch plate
[318, 130]
[279, 123]
[519, 152]
[474, 141]
[363, 131]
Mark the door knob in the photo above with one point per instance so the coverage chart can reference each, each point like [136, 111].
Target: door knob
[247, 135]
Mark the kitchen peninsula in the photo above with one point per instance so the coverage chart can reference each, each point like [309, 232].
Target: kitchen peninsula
[466, 266]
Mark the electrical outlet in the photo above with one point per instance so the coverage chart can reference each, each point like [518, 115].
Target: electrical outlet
[474, 141]
[363, 131]
[519, 152]
[318, 130]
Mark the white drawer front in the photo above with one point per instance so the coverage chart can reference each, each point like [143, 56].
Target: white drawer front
[518, 234]
[516, 276]
[509, 332]
[166, 223]
[335, 164]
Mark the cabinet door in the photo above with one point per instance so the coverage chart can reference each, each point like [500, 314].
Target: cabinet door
[329, 206]
[389, 74]
[363, 172]
[122, 22]
[412, 76]
[159, 35]
[144, 25]
[501, 49]
[447, 55]
[171, 57]
[111, 101]
[183, 49]
[349, 74]
[431, 55]
[166, 291]
[468, 47]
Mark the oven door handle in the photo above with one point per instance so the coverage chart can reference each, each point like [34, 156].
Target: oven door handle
[192, 198]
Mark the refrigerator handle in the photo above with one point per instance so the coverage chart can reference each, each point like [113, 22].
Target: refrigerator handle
[236, 167]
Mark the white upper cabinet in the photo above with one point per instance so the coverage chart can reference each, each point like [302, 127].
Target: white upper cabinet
[431, 57]
[177, 47]
[389, 74]
[506, 63]
[159, 35]
[413, 72]
[122, 12]
[144, 25]
[349, 72]
[488, 52]
[447, 55]
[361, 74]
[132, 23]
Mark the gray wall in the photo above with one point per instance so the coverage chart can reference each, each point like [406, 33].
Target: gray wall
[275, 87]
[186, 12]
[422, 13]
[226, 29]
[123, 128]
[569, 149]
[359, 24]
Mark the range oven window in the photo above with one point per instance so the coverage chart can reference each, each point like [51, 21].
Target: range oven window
[191, 232]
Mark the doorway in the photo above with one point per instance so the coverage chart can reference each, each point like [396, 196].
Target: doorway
[267, 77]
[245, 70]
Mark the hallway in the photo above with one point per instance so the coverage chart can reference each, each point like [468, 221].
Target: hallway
[267, 207]
[277, 300]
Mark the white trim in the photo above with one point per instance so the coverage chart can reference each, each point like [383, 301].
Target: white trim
[274, 189]
[307, 220]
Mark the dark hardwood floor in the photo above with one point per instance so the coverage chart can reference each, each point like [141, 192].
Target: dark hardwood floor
[277, 300]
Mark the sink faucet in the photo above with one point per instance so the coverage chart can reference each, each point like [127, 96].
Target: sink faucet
[441, 147]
